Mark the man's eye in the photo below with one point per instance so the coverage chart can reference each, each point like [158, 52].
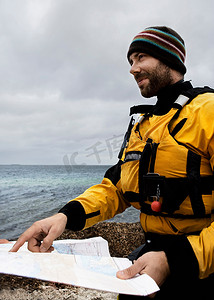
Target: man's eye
[140, 56]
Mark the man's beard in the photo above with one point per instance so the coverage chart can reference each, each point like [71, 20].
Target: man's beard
[159, 78]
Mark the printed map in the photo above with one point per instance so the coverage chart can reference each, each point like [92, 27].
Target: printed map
[85, 263]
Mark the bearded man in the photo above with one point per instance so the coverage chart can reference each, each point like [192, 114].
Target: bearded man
[165, 170]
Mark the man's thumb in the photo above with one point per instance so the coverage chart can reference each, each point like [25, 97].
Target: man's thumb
[46, 245]
[127, 273]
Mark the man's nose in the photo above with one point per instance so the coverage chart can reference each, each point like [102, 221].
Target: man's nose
[135, 68]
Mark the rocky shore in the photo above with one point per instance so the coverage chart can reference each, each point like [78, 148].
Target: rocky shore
[122, 238]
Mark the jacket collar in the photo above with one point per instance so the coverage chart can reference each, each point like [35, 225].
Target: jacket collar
[165, 99]
[167, 96]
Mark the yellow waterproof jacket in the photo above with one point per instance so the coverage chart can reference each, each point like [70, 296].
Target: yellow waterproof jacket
[168, 158]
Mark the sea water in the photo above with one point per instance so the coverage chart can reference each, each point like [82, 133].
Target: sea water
[30, 193]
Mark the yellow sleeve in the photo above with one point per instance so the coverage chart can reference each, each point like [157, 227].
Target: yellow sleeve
[98, 203]
[203, 247]
[203, 244]
[101, 202]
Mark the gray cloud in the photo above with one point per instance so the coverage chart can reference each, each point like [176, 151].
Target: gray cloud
[65, 82]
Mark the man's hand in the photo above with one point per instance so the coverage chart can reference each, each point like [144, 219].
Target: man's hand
[46, 230]
[154, 264]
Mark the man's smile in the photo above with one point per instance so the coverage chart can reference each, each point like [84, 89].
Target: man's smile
[140, 79]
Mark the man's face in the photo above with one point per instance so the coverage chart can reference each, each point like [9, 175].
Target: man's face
[150, 74]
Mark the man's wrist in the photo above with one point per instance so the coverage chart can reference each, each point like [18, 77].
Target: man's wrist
[75, 214]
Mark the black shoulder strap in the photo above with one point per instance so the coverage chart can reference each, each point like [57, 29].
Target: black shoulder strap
[194, 92]
[190, 94]
[126, 137]
[141, 109]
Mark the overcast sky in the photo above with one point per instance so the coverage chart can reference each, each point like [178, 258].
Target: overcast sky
[65, 87]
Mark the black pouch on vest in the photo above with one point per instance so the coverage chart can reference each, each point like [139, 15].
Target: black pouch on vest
[153, 185]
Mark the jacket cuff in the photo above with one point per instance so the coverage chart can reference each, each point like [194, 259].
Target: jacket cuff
[75, 214]
[181, 258]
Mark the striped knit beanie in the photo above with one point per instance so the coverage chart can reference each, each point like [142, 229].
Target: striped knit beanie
[162, 43]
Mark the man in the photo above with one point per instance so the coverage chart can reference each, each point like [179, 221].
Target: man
[165, 170]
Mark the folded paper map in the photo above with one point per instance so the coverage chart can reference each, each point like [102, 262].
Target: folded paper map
[86, 263]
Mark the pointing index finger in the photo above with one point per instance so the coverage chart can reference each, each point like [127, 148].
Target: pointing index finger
[22, 239]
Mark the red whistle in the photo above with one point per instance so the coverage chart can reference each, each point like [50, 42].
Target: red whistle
[156, 206]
